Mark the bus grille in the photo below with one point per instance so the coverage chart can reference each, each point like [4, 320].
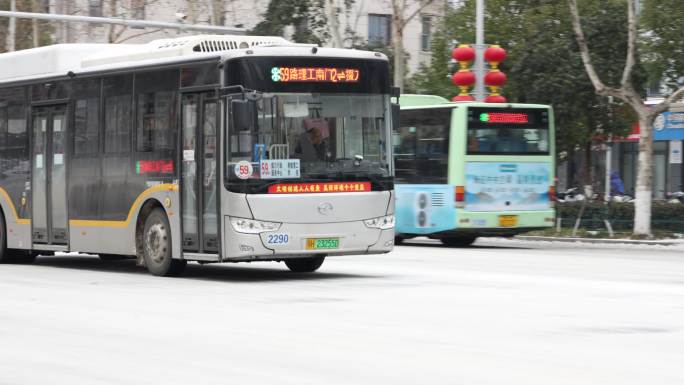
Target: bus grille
[437, 199]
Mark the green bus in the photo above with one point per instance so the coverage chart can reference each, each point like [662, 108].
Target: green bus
[464, 170]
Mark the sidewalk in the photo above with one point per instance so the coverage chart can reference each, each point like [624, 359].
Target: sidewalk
[661, 242]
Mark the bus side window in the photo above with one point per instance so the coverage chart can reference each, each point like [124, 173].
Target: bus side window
[117, 113]
[86, 116]
[156, 123]
[421, 154]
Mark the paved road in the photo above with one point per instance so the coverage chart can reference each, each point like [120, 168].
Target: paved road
[503, 312]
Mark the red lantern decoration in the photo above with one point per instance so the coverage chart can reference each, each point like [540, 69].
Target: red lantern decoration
[495, 98]
[463, 98]
[463, 78]
[495, 55]
[463, 54]
[495, 78]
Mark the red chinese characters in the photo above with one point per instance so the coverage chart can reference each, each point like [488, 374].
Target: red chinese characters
[329, 187]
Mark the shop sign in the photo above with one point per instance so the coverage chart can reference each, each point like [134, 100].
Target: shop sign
[669, 126]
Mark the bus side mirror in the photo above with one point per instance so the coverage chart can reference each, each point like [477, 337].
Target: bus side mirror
[395, 117]
[242, 117]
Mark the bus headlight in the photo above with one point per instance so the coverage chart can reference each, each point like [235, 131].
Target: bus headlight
[382, 223]
[251, 226]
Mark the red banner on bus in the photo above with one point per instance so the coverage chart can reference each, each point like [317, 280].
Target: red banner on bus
[328, 187]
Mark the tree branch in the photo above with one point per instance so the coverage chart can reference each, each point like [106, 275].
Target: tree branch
[626, 82]
[665, 104]
[601, 89]
[137, 35]
[421, 6]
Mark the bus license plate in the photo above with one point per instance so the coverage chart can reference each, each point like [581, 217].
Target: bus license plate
[322, 243]
[508, 220]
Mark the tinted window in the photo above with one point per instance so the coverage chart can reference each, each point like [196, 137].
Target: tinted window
[421, 146]
[497, 131]
[199, 75]
[46, 91]
[14, 150]
[118, 99]
[86, 96]
[156, 110]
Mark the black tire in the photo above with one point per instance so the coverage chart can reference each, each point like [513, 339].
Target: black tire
[112, 257]
[305, 265]
[462, 241]
[157, 246]
[12, 255]
[398, 240]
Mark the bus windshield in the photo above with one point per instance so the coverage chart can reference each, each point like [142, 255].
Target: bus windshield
[312, 136]
[508, 131]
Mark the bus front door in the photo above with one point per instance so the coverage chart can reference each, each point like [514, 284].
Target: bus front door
[199, 192]
[49, 203]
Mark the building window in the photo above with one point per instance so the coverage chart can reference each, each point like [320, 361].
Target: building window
[425, 34]
[95, 8]
[379, 29]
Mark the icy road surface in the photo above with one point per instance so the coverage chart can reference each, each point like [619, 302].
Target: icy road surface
[501, 313]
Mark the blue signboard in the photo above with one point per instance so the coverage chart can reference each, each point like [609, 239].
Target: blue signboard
[494, 186]
[669, 126]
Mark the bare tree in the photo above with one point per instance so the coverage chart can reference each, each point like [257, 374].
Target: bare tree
[334, 11]
[646, 114]
[403, 11]
[135, 10]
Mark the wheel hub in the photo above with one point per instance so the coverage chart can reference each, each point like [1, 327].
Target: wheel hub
[156, 242]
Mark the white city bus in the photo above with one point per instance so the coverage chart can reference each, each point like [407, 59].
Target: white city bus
[204, 148]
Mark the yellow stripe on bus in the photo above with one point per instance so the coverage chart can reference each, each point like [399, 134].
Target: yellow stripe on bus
[97, 223]
[21, 221]
[131, 212]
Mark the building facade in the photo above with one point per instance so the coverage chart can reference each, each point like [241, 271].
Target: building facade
[361, 22]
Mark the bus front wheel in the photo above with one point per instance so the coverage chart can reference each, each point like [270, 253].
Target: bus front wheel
[157, 246]
[458, 241]
[305, 265]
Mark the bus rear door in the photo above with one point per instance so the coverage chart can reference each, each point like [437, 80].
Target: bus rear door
[49, 187]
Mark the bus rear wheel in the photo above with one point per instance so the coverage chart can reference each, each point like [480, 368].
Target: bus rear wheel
[305, 265]
[462, 241]
[157, 246]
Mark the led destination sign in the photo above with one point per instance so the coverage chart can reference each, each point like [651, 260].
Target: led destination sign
[315, 75]
[504, 117]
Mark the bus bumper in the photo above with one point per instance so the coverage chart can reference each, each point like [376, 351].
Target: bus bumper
[513, 222]
[290, 241]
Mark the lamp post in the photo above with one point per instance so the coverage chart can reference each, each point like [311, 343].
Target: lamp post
[479, 51]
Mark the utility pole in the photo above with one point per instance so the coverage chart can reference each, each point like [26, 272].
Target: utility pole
[479, 51]
[12, 29]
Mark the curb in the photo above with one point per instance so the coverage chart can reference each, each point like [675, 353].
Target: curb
[661, 242]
